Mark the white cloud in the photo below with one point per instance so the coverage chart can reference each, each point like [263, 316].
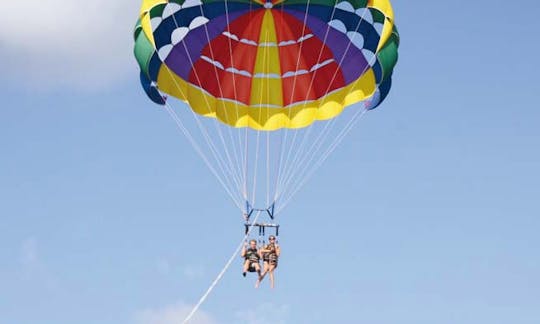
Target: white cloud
[55, 43]
[174, 314]
[267, 313]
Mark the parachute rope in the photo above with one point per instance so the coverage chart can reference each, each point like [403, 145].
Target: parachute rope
[266, 61]
[307, 175]
[238, 155]
[300, 157]
[219, 158]
[359, 114]
[222, 272]
[241, 168]
[224, 167]
[198, 149]
[212, 148]
[216, 123]
[255, 171]
[267, 168]
[306, 134]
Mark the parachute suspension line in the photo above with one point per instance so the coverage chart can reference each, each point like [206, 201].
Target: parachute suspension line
[246, 150]
[308, 132]
[283, 132]
[299, 151]
[221, 273]
[304, 174]
[216, 123]
[219, 158]
[340, 136]
[255, 169]
[281, 165]
[301, 156]
[245, 143]
[198, 149]
[358, 115]
[278, 165]
[237, 154]
[268, 137]
[226, 185]
[267, 168]
[318, 143]
[289, 151]
[306, 158]
[211, 145]
[295, 78]
[291, 166]
[257, 146]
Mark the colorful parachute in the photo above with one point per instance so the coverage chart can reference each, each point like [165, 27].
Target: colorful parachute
[267, 65]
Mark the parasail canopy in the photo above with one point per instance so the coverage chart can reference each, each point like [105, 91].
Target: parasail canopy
[267, 65]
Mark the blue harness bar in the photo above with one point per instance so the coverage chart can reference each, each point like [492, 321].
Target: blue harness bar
[261, 226]
[250, 210]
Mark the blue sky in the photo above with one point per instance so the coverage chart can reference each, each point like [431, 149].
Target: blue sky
[427, 212]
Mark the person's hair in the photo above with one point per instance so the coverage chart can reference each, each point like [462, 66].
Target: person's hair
[253, 241]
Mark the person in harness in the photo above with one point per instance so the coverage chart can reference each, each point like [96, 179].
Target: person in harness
[251, 256]
[270, 254]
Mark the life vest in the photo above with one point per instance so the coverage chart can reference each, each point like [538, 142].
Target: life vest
[272, 255]
[252, 255]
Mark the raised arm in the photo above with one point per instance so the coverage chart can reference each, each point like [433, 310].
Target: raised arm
[243, 254]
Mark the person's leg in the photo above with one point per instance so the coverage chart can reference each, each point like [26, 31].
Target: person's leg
[266, 266]
[258, 269]
[245, 268]
[261, 277]
[271, 273]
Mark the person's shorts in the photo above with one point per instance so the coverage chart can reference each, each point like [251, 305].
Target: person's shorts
[251, 267]
[272, 262]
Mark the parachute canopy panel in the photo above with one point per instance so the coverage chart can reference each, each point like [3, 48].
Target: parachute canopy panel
[267, 65]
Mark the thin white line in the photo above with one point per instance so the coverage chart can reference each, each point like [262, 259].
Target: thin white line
[221, 273]
[219, 159]
[216, 123]
[329, 125]
[359, 114]
[256, 171]
[197, 148]
[188, 134]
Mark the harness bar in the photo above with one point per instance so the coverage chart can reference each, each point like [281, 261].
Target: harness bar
[262, 227]
[250, 210]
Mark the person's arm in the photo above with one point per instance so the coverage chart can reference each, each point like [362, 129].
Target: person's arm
[243, 254]
[278, 250]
